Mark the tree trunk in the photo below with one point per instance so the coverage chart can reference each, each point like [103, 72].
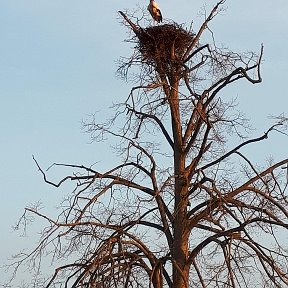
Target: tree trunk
[181, 235]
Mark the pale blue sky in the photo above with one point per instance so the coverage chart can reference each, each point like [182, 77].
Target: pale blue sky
[58, 63]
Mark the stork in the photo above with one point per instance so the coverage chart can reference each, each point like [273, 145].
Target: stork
[155, 12]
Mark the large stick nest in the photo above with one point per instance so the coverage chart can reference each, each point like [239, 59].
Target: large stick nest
[164, 45]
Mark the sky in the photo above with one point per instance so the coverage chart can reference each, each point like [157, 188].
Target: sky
[58, 62]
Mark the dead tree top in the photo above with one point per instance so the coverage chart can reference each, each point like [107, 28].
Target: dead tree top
[162, 46]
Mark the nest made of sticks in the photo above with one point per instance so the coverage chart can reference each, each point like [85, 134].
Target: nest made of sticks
[164, 44]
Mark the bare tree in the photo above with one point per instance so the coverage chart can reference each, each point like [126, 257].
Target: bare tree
[185, 207]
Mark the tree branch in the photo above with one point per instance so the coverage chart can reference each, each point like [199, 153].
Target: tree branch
[263, 137]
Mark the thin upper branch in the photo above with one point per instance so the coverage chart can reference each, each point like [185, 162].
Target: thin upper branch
[234, 150]
[159, 123]
[201, 30]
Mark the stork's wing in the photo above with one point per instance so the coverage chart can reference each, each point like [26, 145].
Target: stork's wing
[159, 15]
[155, 12]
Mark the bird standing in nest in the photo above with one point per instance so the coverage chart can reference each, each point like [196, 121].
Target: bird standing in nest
[155, 12]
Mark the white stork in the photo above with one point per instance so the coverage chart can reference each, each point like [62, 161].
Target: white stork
[155, 12]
